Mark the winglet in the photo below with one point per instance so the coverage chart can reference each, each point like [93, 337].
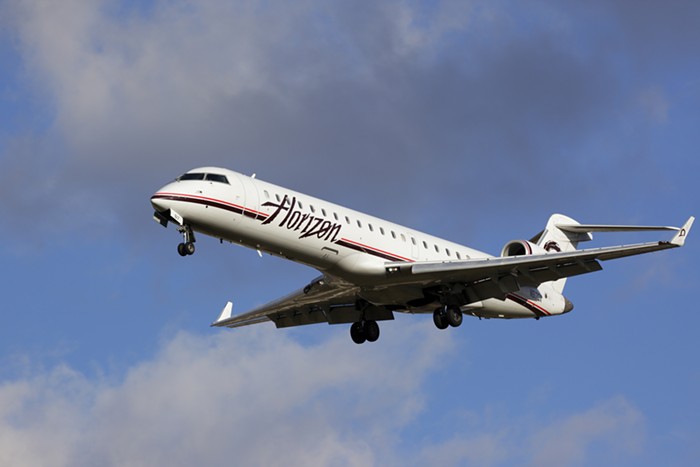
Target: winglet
[225, 313]
[679, 238]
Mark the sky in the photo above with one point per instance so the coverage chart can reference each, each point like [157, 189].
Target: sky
[470, 120]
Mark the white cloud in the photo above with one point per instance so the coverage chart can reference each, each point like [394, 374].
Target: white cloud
[615, 427]
[256, 397]
[611, 429]
[391, 92]
[399, 87]
[482, 449]
[252, 395]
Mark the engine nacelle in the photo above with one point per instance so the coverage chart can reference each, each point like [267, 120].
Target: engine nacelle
[521, 248]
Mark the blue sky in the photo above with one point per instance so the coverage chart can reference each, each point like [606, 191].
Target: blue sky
[471, 120]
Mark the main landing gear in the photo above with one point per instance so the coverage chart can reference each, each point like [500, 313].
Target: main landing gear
[447, 316]
[186, 248]
[365, 330]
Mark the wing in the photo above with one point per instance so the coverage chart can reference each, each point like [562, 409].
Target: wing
[496, 277]
[324, 300]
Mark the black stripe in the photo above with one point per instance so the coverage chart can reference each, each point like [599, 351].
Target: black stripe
[262, 216]
[214, 204]
[359, 248]
[521, 301]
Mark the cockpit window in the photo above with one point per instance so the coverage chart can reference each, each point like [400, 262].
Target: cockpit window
[202, 176]
[217, 178]
[192, 176]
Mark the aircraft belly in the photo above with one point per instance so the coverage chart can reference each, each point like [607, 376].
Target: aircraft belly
[494, 308]
[393, 295]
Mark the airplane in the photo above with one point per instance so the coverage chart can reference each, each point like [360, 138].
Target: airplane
[371, 268]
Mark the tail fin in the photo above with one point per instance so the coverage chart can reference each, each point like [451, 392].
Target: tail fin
[555, 240]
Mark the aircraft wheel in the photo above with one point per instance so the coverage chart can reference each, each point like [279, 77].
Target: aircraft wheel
[454, 316]
[185, 249]
[371, 331]
[357, 333]
[182, 249]
[189, 248]
[440, 319]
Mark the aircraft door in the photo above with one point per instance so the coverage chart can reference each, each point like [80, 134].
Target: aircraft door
[238, 190]
[251, 201]
[414, 247]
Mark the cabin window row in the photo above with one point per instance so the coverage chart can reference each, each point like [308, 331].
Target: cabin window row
[393, 234]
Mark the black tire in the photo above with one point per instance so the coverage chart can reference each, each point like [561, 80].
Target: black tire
[357, 333]
[371, 331]
[189, 248]
[439, 319]
[454, 316]
[181, 249]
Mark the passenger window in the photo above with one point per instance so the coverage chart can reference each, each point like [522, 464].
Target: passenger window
[403, 238]
[347, 220]
[359, 224]
[277, 196]
[425, 244]
[313, 209]
[459, 256]
[437, 248]
[393, 234]
[267, 195]
[301, 206]
[413, 240]
[381, 230]
[371, 229]
[335, 215]
[448, 252]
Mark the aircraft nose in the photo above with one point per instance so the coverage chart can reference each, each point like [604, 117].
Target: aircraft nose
[568, 306]
[160, 200]
[158, 203]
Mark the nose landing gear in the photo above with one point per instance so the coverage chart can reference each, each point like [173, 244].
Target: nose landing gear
[186, 248]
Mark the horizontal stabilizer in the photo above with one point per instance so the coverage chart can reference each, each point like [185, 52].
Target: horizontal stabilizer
[586, 228]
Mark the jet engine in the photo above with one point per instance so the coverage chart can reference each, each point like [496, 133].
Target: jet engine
[521, 248]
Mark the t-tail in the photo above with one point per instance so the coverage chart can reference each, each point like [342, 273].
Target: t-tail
[559, 236]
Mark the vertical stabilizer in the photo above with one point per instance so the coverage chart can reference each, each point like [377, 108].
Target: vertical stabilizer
[555, 240]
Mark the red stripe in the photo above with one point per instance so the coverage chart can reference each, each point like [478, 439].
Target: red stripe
[262, 214]
[529, 302]
[243, 208]
[377, 250]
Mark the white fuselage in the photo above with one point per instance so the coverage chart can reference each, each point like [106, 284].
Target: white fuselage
[338, 241]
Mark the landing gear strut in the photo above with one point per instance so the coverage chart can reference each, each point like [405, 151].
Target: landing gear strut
[362, 331]
[447, 316]
[187, 246]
